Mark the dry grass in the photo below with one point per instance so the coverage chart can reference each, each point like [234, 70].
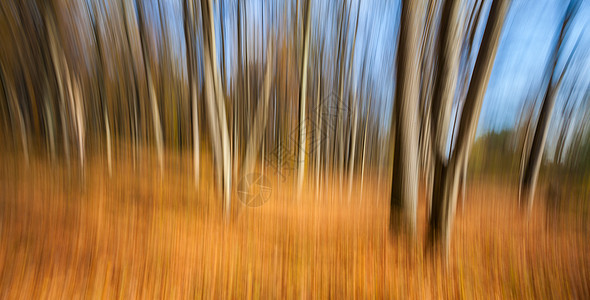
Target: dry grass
[142, 235]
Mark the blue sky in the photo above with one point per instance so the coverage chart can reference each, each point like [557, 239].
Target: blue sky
[530, 29]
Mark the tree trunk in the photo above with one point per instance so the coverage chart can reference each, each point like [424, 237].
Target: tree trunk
[302, 101]
[404, 190]
[150, 87]
[367, 118]
[446, 178]
[318, 130]
[216, 102]
[189, 32]
[448, 49]
[80, 121]
[355, 114]
[259, 127]
[16, 112]
[529, 177]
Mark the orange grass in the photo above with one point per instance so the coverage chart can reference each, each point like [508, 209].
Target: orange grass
[140, 234]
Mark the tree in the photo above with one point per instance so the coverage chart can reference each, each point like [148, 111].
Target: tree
[216, 105]
[302, 101]
[532, 162]
[189, 35]
[150, 85]
[447, 173]
[404, 189]
[260, 119]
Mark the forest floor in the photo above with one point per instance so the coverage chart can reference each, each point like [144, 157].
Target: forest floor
[141, 234]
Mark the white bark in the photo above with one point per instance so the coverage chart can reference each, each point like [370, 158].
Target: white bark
[215, 93]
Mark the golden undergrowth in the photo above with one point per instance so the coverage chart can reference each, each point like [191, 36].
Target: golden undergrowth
[140, 234]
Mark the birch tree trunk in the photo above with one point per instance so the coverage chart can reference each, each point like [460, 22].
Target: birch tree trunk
[216, 103]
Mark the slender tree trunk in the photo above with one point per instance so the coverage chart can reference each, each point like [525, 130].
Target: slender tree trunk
[338, 147]
[16, 112]
[50, 123]
[109, 147]
[259, 127]
[213, 85]
[101, 85]
[529, 177]
[150, 86]
[135, 91]
[240, 89]
[531, 171]
[302, 101]
[354, 112]
[80, 120]
[318, 129]
[189, 33]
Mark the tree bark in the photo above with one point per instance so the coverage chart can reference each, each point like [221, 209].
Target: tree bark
[302, 102]
[150, 87]
[530, 175]
[259, 127]
[216, 103]
[404, 190]
[189, 32]
[446, 178]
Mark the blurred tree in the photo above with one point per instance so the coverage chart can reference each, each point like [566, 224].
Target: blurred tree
[404, 189]
[532, 161]
[216, 105]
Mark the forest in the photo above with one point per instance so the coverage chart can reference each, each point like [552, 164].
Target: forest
[294, 149]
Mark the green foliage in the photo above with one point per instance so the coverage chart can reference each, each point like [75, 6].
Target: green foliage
[578, 157]
[494, 154]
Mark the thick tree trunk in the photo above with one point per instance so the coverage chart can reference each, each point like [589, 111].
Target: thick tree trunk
[446, 178]
[448, 49]
[404, 190]
[444, 199]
